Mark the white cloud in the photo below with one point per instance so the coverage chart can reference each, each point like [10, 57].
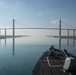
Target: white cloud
[55, 21]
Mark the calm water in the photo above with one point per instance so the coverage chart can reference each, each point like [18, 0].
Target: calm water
[19, 57]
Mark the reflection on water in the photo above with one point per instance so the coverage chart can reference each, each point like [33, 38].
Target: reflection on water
[67, 41]
[18, 56]
[72, 41]
[13, 46]
[5, 41]
[38, 41]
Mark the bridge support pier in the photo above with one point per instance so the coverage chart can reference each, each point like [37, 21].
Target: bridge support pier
[68, 37]
[5, 36]
[68, 33]
[5, 33]
[73, 36]
[0, 31]
[73, 33]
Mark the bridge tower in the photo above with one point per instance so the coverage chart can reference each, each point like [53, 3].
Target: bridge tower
[60, 34]
[13, 27]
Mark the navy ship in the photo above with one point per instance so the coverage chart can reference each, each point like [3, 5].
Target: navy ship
[55, 62]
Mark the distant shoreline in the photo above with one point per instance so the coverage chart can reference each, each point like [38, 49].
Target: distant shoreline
[64, 37]
[10, 36]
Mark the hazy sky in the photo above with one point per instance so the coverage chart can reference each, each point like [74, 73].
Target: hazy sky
[37, 13]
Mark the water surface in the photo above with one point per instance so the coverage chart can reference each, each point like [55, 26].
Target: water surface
[18, 56]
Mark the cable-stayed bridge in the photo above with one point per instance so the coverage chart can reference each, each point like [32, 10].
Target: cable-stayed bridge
[13, 28]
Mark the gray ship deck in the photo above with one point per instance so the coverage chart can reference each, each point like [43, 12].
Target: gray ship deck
[50, 65]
